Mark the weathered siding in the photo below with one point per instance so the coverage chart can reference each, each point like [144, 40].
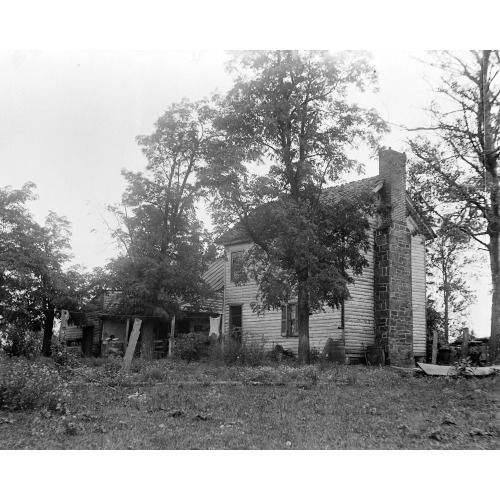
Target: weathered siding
[266, 327]
[114, 327]
[73, 333]
[359, 310]
[418, 294]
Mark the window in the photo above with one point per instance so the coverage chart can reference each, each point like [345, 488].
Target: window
[289, 321]
[235, 322]
[235, 317]
[236, 265]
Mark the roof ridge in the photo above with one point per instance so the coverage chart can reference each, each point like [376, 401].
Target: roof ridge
[354, 182]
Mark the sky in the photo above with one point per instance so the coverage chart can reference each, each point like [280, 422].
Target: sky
[70, 118]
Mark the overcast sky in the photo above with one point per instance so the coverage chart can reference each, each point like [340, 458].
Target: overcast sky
[69, 121]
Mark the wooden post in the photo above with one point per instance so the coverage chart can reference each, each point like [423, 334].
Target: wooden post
[172, 338]
[134, 336]
[434, 346]
[125, 338]
[64, 325]
[465, 343]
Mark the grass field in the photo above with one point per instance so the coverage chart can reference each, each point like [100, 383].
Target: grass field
[177, 405]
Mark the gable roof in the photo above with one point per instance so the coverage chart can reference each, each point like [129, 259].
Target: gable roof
[348, 191]
[214, 275]
[355, 189]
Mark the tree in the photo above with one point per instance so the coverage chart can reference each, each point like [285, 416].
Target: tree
[291, 110]
[449, 265]
[163, 245]
[457, 171]
[34, 278]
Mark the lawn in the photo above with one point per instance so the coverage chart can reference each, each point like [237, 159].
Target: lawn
[171, 404]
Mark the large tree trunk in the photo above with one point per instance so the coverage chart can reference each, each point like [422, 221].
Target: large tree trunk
[495, 297]
[303, 322]
[47, 331]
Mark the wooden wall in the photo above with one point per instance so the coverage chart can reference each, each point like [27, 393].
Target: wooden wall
[418, 294]
[266, 328]
[359, 310]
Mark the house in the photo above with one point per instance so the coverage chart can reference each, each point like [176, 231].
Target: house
[387, 304]
[116, 327]
[106, 329]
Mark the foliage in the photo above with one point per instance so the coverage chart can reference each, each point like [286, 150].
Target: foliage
[449, 270]
[33, 277]
[290, 110]
[60, 354]
[31, 385]
[235, 350]
[463, 367]
[455, 173]
[278, 407]
[193, 346]
[18, 341]
[246, 352]
[164, 249]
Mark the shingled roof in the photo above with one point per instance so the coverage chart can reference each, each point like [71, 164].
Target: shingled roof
[349, 191]
[354, 190]
[214, 275]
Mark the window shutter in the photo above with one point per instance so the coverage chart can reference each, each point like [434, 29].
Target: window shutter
[284, 321]
[292, 321]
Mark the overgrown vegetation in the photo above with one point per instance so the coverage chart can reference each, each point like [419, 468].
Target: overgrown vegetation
[18, 340]
[235, 350]
[29, 385]
[172, 404]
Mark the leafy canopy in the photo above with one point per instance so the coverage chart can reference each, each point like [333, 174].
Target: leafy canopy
[291, 110]
[163, 245]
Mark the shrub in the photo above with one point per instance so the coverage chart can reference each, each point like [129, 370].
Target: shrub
[59, 353]
[193, 346]
[31, 385]
[18, 340]
[236, 352]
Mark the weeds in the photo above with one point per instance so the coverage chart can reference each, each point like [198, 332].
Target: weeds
[18, 340]
[31, 385]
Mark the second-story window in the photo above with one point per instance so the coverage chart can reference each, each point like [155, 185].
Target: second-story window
[236, 265]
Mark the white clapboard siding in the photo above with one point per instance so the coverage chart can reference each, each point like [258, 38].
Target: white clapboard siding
[359, 310]
[418, 294]
[266, 327]
[359, 325]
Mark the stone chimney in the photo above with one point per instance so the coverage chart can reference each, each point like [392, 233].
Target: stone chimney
[393, 297]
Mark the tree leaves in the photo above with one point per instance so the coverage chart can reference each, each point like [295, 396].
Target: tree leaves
[164, 247]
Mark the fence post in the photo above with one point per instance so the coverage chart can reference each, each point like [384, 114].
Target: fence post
[134, 336]
[434, 346]
[465, 343]
[172, 338]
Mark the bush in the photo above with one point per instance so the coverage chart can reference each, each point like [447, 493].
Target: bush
[233, 351]
[60, 354]
[31, 385]
[193, 346]
[18, 340]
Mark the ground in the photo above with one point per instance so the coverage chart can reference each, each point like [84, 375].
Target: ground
[171, 405]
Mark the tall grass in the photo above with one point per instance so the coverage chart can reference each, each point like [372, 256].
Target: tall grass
[26, 384]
